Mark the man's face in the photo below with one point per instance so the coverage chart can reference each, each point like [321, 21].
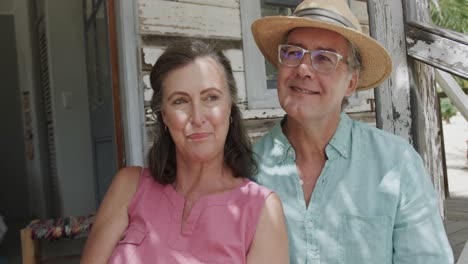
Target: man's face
[304, 93]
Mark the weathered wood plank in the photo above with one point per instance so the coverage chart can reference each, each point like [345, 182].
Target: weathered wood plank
[159, 17]
[151, 54]
[438, 51]
[456, 226]
[359, 9]
[393, 111]
[221, 3]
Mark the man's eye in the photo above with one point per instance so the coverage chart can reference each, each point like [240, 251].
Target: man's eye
[322, 58]
[294, 54]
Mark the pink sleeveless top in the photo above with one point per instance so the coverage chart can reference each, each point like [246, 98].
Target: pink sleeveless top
[219, 229]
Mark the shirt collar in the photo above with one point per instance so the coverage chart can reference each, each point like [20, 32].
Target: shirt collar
[339, 144]
[341, 140]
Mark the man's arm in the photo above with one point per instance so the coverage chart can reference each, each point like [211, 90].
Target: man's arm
[419, 235]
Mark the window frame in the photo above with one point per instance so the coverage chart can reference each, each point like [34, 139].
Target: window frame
[258, 95]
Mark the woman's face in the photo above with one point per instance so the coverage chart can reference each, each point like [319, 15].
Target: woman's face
[196, 108]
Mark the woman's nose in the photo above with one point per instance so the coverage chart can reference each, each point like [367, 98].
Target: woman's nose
[198, 117]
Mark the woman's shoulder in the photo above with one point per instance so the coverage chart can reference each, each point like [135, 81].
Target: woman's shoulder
[252, 188]
[128, 176]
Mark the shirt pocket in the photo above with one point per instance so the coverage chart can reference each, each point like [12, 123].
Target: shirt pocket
[365, 239]
[128, 246]
[134, 235]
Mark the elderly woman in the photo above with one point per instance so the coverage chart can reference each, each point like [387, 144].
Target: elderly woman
[193, 204]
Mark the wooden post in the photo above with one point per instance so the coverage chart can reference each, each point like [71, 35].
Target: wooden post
[406, 104]
[424, 105]
[30, 248]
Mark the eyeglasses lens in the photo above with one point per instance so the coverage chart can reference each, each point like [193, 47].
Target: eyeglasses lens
[322, 60]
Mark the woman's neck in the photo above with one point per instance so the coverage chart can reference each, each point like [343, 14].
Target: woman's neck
[199, 179]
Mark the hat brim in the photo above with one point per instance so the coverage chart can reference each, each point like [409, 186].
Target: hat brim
[271, 31]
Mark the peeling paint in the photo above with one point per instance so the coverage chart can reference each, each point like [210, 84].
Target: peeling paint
[186, 18]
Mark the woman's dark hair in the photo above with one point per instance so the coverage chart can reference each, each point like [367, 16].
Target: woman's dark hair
[238, 153]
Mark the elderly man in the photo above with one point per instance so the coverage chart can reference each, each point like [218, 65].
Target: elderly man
[351, 193]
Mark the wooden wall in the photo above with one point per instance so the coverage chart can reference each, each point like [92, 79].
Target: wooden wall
[163, 21]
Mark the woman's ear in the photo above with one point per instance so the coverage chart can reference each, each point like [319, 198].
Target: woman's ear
[163, 116]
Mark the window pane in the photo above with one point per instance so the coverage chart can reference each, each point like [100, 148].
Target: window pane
[275, 8]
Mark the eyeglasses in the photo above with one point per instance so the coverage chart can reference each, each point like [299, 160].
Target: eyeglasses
[323, 61]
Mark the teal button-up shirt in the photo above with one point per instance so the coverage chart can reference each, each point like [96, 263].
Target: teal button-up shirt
[373, 201]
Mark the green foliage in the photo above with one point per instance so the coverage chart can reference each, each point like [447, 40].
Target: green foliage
[451, 14]
[447, 109]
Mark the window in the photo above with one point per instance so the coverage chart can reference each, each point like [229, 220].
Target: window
[260, 76]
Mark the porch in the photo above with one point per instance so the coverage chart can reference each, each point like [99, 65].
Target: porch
[457, 226]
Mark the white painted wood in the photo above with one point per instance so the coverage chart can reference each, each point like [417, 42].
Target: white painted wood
[259, 97]
[359, 9]
[131, 87]
[221, 3]
[453, 91]
[262, 113]
[159, 17]
[438, 50]
[393, 108]
[152, 53]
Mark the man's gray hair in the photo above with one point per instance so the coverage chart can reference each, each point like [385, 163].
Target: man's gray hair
[354, 64]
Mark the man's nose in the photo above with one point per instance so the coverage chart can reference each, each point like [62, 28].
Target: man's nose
[305, 69]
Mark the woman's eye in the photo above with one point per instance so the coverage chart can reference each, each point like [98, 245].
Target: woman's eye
[179, 101]
[213, 98]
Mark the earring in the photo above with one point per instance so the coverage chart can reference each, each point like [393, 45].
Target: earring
[165, 128]
[230, 119]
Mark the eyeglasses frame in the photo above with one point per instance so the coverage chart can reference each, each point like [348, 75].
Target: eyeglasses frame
[311, 52]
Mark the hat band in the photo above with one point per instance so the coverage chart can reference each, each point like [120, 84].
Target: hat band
[324, 15]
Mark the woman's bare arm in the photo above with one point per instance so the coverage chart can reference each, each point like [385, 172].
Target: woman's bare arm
[112, 217]
[270, 242]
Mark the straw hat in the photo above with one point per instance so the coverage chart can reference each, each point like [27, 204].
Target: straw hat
[333, 15]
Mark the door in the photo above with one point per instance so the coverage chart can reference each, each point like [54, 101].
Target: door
[103, 92]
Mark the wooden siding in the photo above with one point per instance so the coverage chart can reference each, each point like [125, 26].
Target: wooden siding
[221, 20]
[162, 22]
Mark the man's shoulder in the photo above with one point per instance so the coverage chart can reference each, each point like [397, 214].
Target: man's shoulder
[266, 142]
[377, 136]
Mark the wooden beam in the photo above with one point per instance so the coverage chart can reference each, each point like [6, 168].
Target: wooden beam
[454, 92]
[440, 48]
